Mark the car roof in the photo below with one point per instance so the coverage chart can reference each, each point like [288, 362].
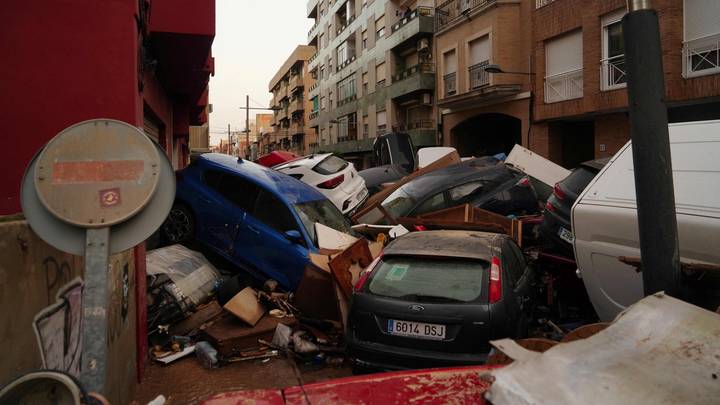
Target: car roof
[445, 243]
[441, 179]
[309, 160]
[280, 184]
[596, 164]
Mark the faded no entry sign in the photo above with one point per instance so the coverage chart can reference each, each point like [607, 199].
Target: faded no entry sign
[97, 173]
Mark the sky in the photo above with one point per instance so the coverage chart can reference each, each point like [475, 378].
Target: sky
[253, 38]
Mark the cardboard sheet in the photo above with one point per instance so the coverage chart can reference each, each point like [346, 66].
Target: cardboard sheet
[245, 306]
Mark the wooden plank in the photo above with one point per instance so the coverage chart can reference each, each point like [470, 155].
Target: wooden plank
[358, 253]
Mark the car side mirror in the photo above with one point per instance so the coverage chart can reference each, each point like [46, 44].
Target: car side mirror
[294, 236]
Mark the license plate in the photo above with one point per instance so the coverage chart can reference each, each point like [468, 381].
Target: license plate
[416, 329]
[566, 235]
[361, 195]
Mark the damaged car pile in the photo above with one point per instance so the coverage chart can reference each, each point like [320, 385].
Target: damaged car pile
[438, 263]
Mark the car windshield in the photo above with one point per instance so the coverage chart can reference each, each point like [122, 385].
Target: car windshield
[428, 279]
[399, 203]
[330, 165]
[323, 212]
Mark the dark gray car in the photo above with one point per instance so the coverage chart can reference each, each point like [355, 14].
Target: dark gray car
[436, 298]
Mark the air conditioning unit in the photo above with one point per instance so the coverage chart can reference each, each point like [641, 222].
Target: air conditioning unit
[423, 45]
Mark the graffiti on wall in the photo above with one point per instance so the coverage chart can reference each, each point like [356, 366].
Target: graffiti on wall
[58, 329]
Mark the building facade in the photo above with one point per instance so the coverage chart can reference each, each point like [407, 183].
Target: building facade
[580, 107]
[290, 87]
[374, 72]
[482, 113]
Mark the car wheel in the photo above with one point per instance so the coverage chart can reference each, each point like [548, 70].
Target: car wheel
[179, 227]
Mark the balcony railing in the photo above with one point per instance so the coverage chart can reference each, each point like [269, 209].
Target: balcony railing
[613, 73]
[478, 76]
[295, 82]
[542, 3]
[346, 100]
[450, 84]
[453, 10]
[296, 105]
[346, 62]
[296, 129]
[412, 70]
[420, 11]
[564, 86]
[701, 56]
[314, 115]
[345, 25]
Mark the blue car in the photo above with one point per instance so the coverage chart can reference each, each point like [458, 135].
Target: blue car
[258, 218]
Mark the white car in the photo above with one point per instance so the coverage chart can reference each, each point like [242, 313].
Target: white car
[333, 176]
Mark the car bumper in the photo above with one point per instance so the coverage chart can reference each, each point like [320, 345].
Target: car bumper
[357, 198]
[551, 226]
[375, 356]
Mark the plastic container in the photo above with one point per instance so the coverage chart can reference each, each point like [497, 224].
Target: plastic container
[206, 354]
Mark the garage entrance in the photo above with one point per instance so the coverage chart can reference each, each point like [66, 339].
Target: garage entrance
[487, 134]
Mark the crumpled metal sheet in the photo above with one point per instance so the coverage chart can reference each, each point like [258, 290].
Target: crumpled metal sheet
[659, 351]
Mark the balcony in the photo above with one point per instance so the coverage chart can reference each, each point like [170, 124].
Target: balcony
[345, 63]
[295, 82]
[478, 76]
[412, 79]
[612, 73]
[297, 104]
[420, 11]
[453, 11]
[418, 22]
[564, 86]
[449, 84]
[344, 25]
[701, 56]
[421, 124]
[313, 32]
[542, 3]
[346, 100]
[296, 128]
[282, 113]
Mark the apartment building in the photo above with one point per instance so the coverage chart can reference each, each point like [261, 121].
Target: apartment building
[581, 96]
[374, 73]
[290, 87]
[484, 113]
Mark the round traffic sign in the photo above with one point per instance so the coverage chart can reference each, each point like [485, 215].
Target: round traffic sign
[97, 173]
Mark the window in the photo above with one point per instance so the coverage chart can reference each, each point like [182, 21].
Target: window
[434, 203]
[564, 67]
[330, 165]
[316, 105]
[322, 41]
[380, 27]
[323, 104]
[322, 71]
[347, 88]
[465, 192]
[429, 279]
[323, 212]
[701, 50]
[212, 178]
[342, 53]
[364, 39]
[381, 122]
[479, 59]
[613, 61]
[273, 213]
[380, 74]
[365, 83]
[450, 75]
[238, 191]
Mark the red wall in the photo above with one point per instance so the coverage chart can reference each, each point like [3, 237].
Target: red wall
[62, 62]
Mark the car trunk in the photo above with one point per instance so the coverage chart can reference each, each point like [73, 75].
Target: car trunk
[466, 324]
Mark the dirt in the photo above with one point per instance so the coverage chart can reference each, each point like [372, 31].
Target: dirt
[187, 382]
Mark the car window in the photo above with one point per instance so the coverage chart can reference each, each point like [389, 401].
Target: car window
[422, 278]
[399, 203]
[238, 191]
[513, 268]
[324, 212]
[434, 203]
[212, 178]
[465, 191]
[273, 213]
[384, 153]
[578, 180]
[330, 165]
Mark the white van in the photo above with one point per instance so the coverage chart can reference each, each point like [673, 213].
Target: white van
[604, 217]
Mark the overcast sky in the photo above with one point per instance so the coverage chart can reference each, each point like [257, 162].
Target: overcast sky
[253, 38]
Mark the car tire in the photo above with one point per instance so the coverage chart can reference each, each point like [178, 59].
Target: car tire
[179, 226]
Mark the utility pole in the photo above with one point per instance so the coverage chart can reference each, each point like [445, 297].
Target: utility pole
[247, 126]
[229, 151]
[657, 221]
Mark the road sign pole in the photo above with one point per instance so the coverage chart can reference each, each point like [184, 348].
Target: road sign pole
[95, 300]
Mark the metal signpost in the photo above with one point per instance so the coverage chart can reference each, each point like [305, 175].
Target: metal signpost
[97, 188]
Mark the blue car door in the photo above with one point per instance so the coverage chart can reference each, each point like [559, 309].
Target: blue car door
[278, 257]
[215, 227]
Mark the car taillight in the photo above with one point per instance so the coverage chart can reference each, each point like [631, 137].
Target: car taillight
[420, 228]
[495, 281]
[524, 182]
[558, 192]
[366, 274]
[332, 183]
[549, 207]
